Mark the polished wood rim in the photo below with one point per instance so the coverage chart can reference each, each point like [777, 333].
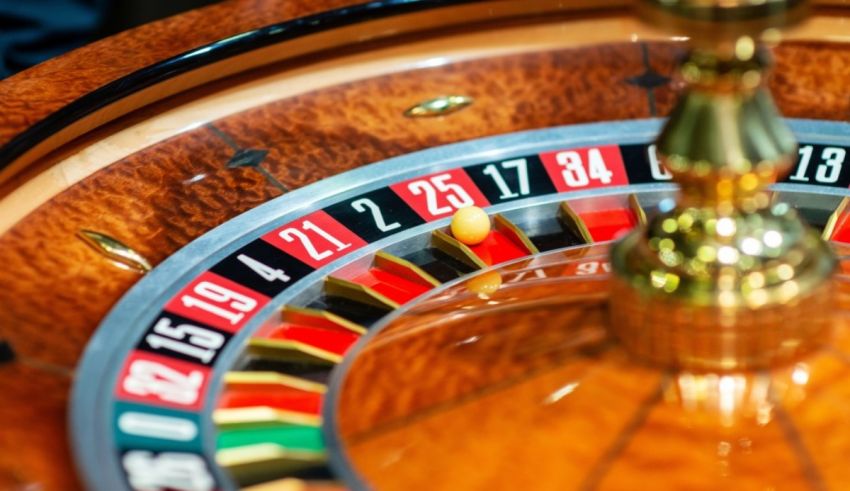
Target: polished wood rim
[63, 110]
[162, 195]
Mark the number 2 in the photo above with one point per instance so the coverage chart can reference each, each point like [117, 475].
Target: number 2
[364, 204]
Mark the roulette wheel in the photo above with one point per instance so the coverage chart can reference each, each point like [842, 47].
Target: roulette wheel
[229, 263]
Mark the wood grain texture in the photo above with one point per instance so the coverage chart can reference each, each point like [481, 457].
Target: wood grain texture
[173, 192]
[448, 360]
[34, 451]
[430, 402]
[344, 127]
[155, 201]
[159, 199]
[497, 442]
[33, 94]
[808, 80]
[30, 96]
[56, 289]
[818, 91]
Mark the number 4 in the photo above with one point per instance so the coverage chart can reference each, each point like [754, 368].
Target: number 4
[266, 272]
[574, 173]
[598, 169]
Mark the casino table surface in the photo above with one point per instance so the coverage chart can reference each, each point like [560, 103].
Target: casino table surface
[227, 262]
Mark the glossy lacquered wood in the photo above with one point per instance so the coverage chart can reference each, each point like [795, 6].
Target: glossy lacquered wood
[56, 288]
[281, 39]
[34, 94]
[526, 388]
[170, 193]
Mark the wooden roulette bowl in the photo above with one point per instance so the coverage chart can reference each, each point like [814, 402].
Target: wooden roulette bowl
[155, 188]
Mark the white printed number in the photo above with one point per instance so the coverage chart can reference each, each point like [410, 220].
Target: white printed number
[537, 273]
[828, 170]
[293, 234]
[363, 205]
[520, 166]
[232, 305]
[593, 267]
[151, 378]
[577, 173]
[658, 172]
[266, 272]
[168, 470]
[186, 339]
[158, 426]
[436, 186]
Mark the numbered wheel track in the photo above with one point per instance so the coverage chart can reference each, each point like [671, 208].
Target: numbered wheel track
[90, 208]
[230, 376]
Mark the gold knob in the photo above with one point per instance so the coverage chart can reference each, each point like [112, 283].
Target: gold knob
[725, 280]
[718, 24]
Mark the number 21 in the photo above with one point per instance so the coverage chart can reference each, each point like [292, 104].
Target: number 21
[293, 234]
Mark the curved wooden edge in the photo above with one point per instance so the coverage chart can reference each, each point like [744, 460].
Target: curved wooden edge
[40, 181]
[31, 98]
[31, 95]
[42, 108]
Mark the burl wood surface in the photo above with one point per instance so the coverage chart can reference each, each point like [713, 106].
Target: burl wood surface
[55, 289]
[159, 199]
[529, 391]
[33, 432]
[31, 95]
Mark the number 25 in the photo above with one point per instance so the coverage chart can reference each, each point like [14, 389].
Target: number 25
[454, 194]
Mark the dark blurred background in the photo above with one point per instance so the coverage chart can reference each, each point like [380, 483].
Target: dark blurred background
[32, 31]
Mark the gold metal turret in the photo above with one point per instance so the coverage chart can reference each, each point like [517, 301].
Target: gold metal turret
[725, 280]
